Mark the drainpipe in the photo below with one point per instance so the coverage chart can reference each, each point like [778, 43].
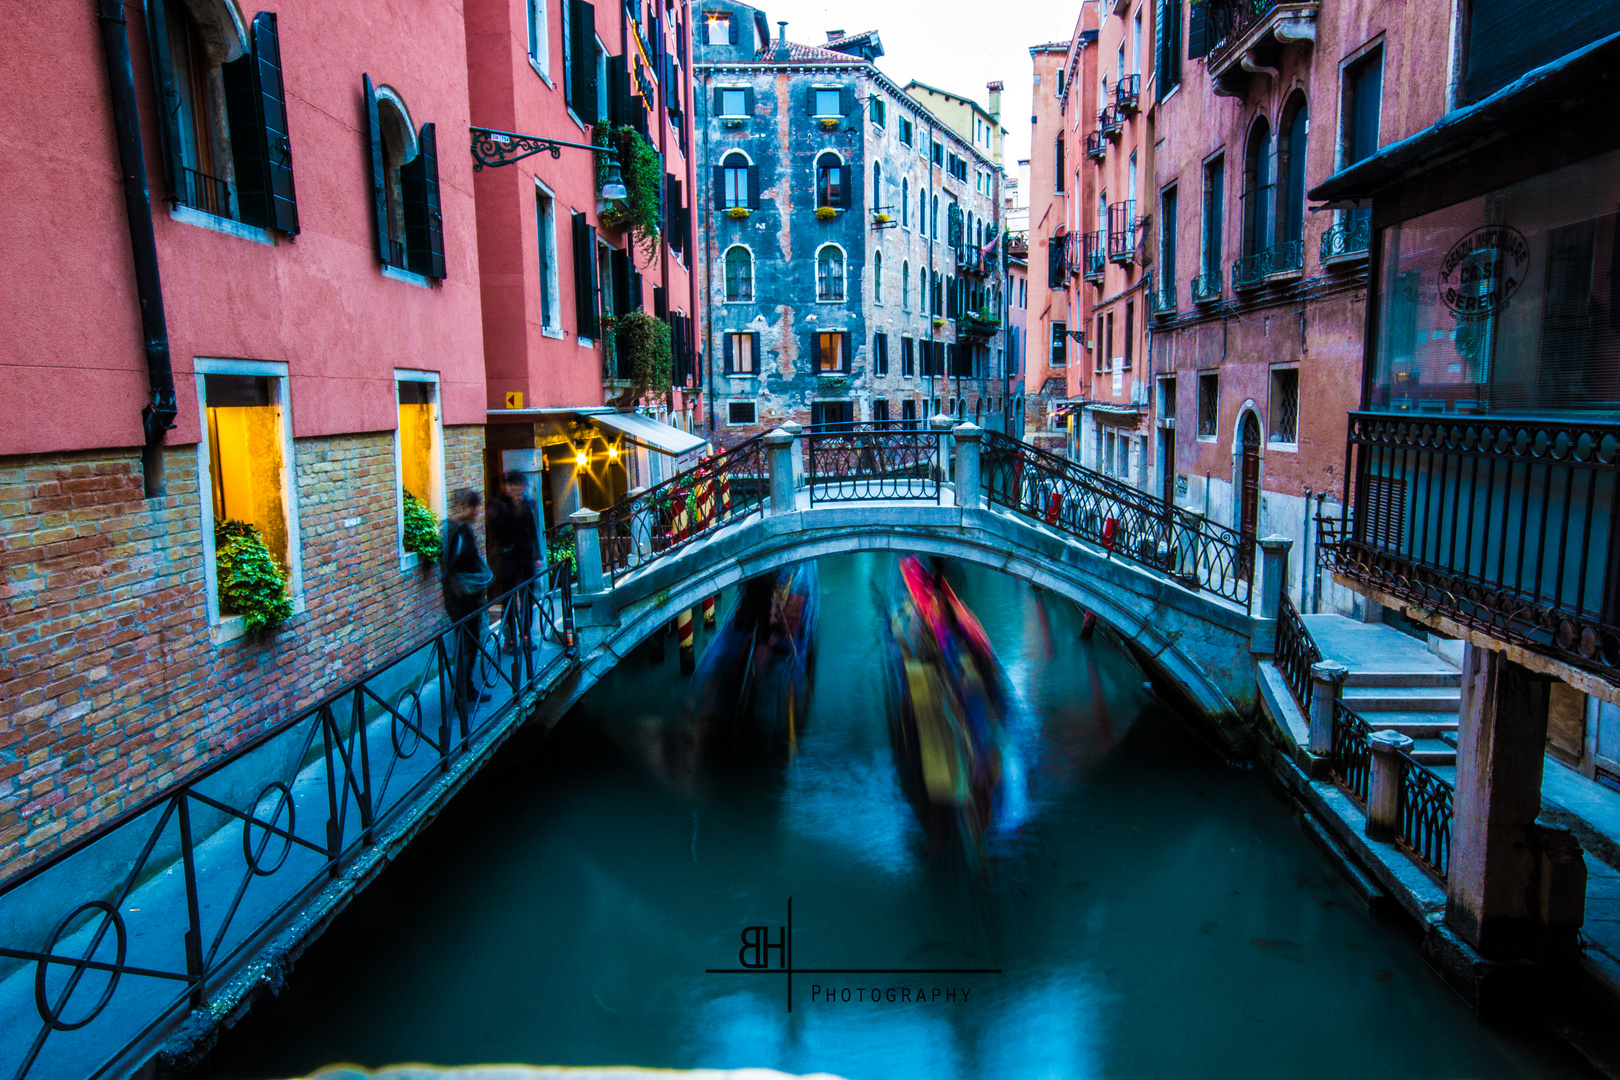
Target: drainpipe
[158, 415]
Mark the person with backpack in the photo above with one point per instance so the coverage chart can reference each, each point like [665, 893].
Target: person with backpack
[466, 576]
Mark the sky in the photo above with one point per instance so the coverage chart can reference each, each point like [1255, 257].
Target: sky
[955, 45]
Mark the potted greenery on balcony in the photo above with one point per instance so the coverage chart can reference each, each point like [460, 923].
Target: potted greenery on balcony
[738, 213]
[981, 323]
[826, 213]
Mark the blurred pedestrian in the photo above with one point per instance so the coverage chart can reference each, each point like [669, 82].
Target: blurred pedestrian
[466, 577]
[514, 534]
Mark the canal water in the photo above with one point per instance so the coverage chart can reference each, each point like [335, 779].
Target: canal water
[1157, 913]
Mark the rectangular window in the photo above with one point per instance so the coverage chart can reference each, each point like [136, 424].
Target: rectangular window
[419, 449]
[829, 101]
[1363, 101]
[1214, 209]
[1284, 405]
[880, 411]
[1108, 342]
[908, 357]
[880, 111]
[545, 220]
[1167, 245]
[1130, 336]
[908, 411]
[1058, 156]
[246, 454]
[1060, 344]
[831, 412]
[1167, 399]
[539, 52]
[880, 354]
[740, 354]
[733, 102]
[719, 28]
[832, 352]
[1209, 395]
[741, 412]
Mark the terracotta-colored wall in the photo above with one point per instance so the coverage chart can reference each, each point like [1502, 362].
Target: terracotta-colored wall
[75, 376]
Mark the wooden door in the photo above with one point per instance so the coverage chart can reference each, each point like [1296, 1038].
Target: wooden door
[1249, 497]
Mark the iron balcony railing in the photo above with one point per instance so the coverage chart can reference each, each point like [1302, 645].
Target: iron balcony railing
[1505, 526]
[1206, 287]
[137, 922]
[207, 193]
[722, 489]
[1095, 257]
[1250, 271]
[1347, 241]
[864, 462]
[1127, 94]
[973, 325]
[1122, 227]
[1295, 652]
[1164, 299]
[1111, 121]
[1099, 509]
[1096, 145]
[1229, 21]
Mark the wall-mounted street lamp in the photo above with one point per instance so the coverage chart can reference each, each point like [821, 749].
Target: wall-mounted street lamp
[497, 148]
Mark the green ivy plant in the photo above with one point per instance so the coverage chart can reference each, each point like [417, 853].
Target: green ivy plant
[641, 211]
[644, 343]
[251, 584]
[421, 529]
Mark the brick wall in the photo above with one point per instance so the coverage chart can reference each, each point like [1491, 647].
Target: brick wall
[110, 685]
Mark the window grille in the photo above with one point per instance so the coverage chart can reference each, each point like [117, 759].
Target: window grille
[741, 412]
[1209, 392]
[1285, 406]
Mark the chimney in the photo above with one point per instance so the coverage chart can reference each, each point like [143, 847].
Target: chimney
[834, 35]
[995, 100]
[782, 52]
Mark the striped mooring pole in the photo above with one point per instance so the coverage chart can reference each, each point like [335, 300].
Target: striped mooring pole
[683, 622]
[708, 611]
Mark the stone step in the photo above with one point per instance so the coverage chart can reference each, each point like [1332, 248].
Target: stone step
[1404, 678]
[1434, 752]
[1365, 699]
[1419, 725]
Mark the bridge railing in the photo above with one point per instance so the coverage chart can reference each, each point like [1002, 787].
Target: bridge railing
[883, 460]
[1128, 522]
[1296, 652]
[106, 942]
[648, 524]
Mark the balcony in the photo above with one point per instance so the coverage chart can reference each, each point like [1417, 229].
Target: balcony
[883, 217]
[979, 324]
[1096, 259]
[1346, 243]
[1164, 300]
[1122, 228]
[1287, 261]
[1244, 37]
[1206, 288]
[1111, 122]
[1017, 246]
[1128, 95]
[1524, 552]
[1096, 145]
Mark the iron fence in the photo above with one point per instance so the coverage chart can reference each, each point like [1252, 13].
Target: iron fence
[1349, 238]
[1424, 824]
[863, 462]
[1295, 652]
[137, 921]
[1506, 526]
[207, 193]
[1350, 758]
[1206, 287]
[1129, 523]
[721, 489]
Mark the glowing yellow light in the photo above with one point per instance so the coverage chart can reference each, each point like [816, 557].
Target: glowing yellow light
[582, 459]
[613, 452]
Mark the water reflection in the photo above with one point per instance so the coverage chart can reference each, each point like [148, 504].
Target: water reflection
[1158, 914]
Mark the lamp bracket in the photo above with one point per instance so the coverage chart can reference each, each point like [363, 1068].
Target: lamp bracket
[495, 148]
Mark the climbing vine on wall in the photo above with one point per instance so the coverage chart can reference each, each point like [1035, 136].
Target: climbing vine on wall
[643, 344]
[641, 211]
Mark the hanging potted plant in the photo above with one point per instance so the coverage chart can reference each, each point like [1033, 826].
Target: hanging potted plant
[643, 346]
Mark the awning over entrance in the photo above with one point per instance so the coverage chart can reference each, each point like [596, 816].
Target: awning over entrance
[645, 431]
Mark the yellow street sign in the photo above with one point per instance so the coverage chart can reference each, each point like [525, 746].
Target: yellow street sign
[514, 399]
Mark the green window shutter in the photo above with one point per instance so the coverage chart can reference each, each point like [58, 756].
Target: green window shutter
[731, 29]
[748, 100]
[379, 204]
[753, 187]
[719, 109]
[424, 221]
[168, 98]
[586, 323]
[754, 351]
[719, 187]
[846, 99]
[727, 353]
[1198, 30]
[810, 101]
[248, 146]
[582, 45]
[815, 352]
[272, 130]
[846, 197]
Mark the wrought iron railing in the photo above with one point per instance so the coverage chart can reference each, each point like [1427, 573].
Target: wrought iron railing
[1349, 239]
[1226, 21]
[1102, 510]
[1423, 827]
[1095, 256]
[1164, 298]
[1206, 288]
[1505, 526]
[1110, 121]
[1096, 145]
[135, 923]
[207, 193]
[1122, 225]
[719, 490]
[863, 462]
[1251, 271]
[1127, 94]
[1295, 652]
[972, 325]
[560, 548]
[1350, 759]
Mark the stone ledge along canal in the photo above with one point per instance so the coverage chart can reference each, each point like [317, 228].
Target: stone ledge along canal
[1157, 914]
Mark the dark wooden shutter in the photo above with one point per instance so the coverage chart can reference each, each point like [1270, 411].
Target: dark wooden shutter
[619, 265]
[621, 103]
[586, 323]
[748, 100]
[248, 146]
[379, 203]
[660, 302]
[846, 197]
[633, 300]
[719, 108]
[728, 352]
[845, 353]
[719, 187]
[754, 353]
[1198, 42]
[582, 43]
[424, 219]
[810, 101]
[815, 352]
[753, 187]
[846, 99]
[1161, 51]
[732, 28]
[168, 98]
[272, 132]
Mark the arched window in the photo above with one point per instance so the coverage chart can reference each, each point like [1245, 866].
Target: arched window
[877, 277]
[905, 203]
[905, 286]
[877, 184]
[832, 181]
[830, 272]
[1291, 171]
[1257, 189]
[734, 180]
[933, 223]
[739, 273]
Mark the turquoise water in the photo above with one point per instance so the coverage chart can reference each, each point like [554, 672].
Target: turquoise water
[1159, 913]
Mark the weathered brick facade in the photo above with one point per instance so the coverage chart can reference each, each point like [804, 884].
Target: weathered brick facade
[110, 684]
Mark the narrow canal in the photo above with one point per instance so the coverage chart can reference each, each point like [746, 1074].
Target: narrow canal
[1158, 914]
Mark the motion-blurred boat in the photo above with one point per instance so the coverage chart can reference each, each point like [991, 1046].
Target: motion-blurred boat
[752, 687]
[948, 702]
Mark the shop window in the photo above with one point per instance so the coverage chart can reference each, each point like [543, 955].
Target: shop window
[420, 445]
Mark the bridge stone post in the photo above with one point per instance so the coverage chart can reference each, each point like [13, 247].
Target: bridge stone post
[588, 550]
[796, 429]
[967, 466]
[779, 461]
[942, 425]
[1327, 679]
[1384, 784]
[1273, 580]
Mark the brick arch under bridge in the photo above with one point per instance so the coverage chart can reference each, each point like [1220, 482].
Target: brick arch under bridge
[1197, 643]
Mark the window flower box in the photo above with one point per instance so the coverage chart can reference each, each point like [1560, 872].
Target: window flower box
[882, 219]
[826, 213]
[829, 123]
[738, 213]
